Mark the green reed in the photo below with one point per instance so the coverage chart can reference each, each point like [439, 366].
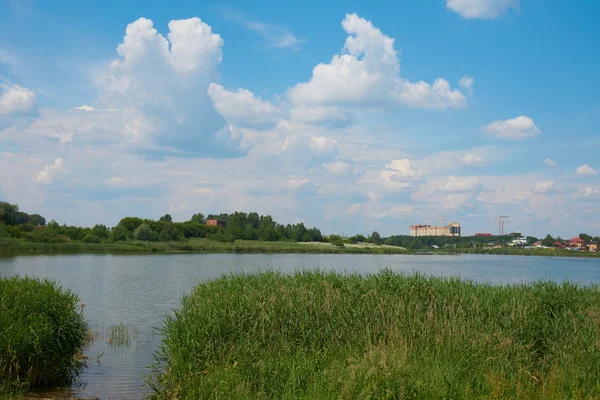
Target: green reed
[42, 332]
[320, 335]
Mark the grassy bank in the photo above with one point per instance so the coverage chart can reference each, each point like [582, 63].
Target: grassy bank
[318, 335]
[515, 251]
[16, 246]
[41, 332]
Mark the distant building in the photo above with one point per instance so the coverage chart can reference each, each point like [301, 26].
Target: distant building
[215, 222]
[592, 247]
[452, 229]
[577, 243]
[518, 242]
[483, 234]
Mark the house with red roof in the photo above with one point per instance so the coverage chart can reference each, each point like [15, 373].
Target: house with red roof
[577, 242]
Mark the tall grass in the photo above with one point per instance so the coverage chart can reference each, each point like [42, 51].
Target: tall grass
[317, 335]
[18, 246]
[42, 330]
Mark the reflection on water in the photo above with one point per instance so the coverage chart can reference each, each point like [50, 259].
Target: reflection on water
[127, 296]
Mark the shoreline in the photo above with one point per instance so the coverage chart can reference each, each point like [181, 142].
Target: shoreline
[15, 247]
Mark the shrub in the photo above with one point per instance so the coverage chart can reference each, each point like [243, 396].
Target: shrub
[42, 330]
[14, 231]
[91, 239]
[143, 232]
[221, 237]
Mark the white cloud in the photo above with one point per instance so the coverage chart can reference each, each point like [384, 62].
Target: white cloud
[115, 181]
[367, 73]
[159, 85]
[471, 160]
[518, 128]
[275, 36]
[399, 211]
[589, 191]
[467, 82]
[296, 183]
[322, 144]
[585, 169]
[51, 172]
[545, 187]
[242, 107]
[405, 168]
[437, 96]
[486, 9]
[399, 174]
[337, 168]
[458, 184]
[16, 99]
[320, 114]
[550, 162]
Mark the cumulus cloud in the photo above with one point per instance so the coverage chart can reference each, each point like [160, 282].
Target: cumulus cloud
[471, 160]
[486, 9]
[458, 184]
[337, 168]
[321, 115]
[399, 174]
[585, 169]
[116, 181]
[404, 168]
[15, 99]
[399, 211]
[518, 128]
[589, 191]
[367, 73]
[550, 162]
[51, 172]
[467, 82]
[322, 144]
[545, 187]
[159, 85]
[242, 107]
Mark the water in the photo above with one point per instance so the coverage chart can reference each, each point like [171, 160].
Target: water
[138, 290]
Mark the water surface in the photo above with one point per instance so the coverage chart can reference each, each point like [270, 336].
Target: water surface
[138, 290]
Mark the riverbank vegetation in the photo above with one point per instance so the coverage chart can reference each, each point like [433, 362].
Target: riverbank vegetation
[237, 232]
[42, 331]
[384, 336]
[10, 246]
[234, 233]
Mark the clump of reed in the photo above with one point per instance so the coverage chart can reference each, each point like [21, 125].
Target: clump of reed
[42, 332]
[323, 335]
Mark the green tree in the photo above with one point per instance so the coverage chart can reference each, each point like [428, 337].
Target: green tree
[199, 218]
[100, 231]
[585, 237]
[8, 213]
[548, 241]
[37, 219]
[166, 218]
[375, 238]
[143, 232]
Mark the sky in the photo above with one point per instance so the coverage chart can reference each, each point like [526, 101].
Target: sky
[349, 116]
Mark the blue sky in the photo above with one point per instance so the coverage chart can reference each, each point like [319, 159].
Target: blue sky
[349, 116]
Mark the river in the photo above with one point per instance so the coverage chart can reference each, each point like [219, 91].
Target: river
[138, 290]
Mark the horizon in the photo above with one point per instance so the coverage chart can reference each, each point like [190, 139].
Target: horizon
[353, 119]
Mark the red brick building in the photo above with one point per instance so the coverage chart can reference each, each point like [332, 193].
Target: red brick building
[215, 222]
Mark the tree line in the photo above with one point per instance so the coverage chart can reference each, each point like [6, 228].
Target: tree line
[238, 225]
